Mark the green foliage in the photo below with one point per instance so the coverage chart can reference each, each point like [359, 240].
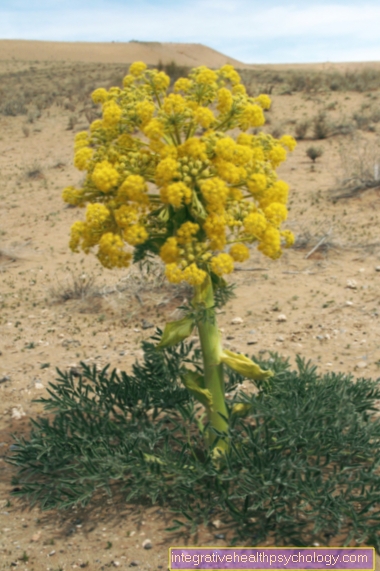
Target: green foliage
[303, 466]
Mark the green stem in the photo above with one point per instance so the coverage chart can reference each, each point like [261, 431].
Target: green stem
[213, 368]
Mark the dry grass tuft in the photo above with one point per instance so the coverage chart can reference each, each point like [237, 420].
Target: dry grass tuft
[76, 286]
[360, 162]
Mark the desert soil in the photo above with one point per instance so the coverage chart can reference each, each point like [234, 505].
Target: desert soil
[323, 305]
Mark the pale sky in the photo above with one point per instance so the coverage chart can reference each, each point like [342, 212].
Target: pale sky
[251, 31]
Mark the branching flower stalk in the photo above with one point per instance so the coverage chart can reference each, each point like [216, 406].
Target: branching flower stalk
[164, 177]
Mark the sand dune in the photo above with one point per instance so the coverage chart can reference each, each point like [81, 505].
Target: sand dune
[150, 52]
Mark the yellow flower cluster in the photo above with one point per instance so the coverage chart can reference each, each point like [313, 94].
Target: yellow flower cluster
[163, 172]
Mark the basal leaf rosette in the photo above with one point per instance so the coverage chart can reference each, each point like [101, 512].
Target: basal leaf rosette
[163, 175]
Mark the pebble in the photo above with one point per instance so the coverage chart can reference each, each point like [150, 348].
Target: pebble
[74, 371]
[282, 317]
[17, 412]
[377, 269]
[217, 523]
[361, 365]
[147, 544]
[220, 536]
[116, 563]
[38, 386]
[252, 341]
[134, 564]
[5, 379]
[146, 324]
[349, 303]
[52, 553]
[280, 339]
[351, 284]
[136, 330]
[237, 321]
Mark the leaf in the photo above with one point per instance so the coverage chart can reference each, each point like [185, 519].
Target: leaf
[195, 385]
[243, 365]
[176, 331]
[197, 209]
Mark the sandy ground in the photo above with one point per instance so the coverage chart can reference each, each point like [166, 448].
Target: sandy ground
[323, 305]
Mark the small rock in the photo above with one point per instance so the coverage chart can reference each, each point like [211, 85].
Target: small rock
[280, 339]
[136, 330]
[17, 412]
[351, 284]
[220, 536]
[349, 303]
[5, 379]
[38, 386]
[134, 564]
[230, 337]
[52, 553]
[377, 269]
[147, 544]
[237, 321]
[36, 536]
[74, 371]
[146, 324]
[361, 365]
[252, 341]
[217, 523]
[116, 563]
[282, 317]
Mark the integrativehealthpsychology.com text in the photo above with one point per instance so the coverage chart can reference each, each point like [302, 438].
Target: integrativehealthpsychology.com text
[290, 558]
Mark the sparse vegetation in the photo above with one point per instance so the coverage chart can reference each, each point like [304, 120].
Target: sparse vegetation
[314, 153]
[301, 129]
[34, 172]
[360, 164]
[76, 286]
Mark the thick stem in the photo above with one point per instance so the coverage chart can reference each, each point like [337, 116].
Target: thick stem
[211, 350]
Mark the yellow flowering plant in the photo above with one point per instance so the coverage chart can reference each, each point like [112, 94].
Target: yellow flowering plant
[164, 177]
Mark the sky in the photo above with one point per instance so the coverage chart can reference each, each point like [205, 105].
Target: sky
[251, 31]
